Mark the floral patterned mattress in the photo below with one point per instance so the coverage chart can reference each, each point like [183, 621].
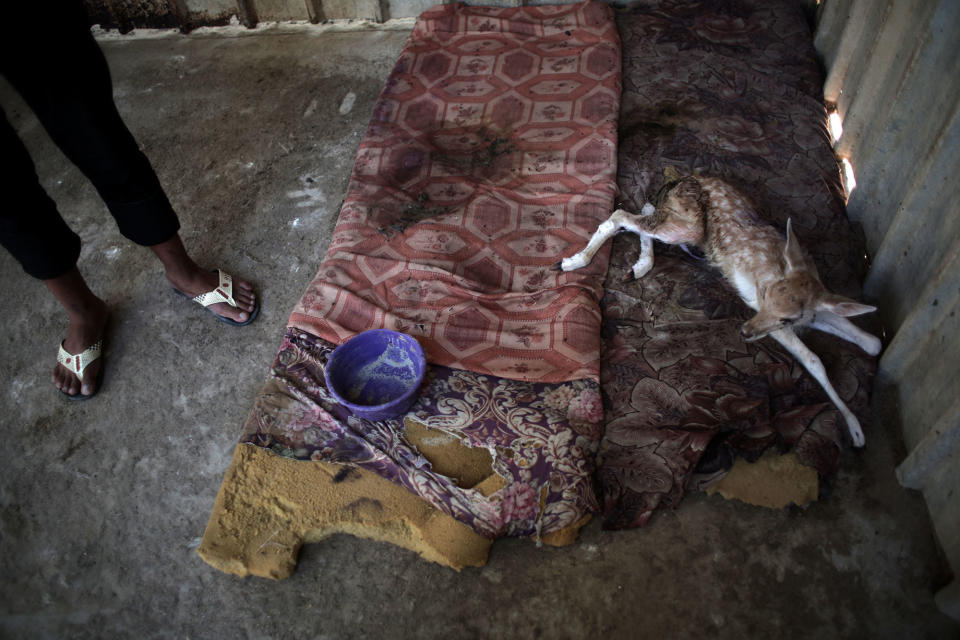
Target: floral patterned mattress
[729, 89]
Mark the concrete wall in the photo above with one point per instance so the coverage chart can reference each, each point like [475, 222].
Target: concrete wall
[189, 14]
[894, 75]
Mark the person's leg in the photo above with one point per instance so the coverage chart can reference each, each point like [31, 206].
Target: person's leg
[35, 234]
[88, 318]
[70, 90]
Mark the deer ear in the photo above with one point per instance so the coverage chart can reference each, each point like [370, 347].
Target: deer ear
[843, 306]
[792, 252]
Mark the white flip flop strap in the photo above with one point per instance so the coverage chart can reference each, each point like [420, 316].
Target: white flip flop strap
[76, 364]
[223, 293]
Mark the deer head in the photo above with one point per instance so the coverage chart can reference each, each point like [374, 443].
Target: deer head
[794, 300]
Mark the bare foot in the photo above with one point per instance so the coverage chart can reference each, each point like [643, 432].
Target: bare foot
[186, 277]
[87, 323]
[199, 281]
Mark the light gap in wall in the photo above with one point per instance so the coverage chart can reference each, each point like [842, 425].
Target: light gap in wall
[835, 124]
[849, 180]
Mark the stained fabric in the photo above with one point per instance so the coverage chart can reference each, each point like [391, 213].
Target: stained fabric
[729, 89]
[491, 152]
[542, 438]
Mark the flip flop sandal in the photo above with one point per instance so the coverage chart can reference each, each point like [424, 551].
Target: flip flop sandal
[78, 363]
[223, 293]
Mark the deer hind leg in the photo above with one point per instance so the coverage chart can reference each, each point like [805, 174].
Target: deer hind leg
[831, 323]
[643, 224]
[619, 219]
[812, 363]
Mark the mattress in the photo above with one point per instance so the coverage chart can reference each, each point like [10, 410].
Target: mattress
[732, 90]
[491, 151]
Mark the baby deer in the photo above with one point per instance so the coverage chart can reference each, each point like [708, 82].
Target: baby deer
[772, 275]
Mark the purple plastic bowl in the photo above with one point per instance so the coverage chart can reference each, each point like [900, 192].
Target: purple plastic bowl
[376, 374]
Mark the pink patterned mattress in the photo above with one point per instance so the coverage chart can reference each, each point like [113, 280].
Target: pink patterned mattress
[491, 151]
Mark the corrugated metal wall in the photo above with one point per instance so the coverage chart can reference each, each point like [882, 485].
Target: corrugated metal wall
[893, 71]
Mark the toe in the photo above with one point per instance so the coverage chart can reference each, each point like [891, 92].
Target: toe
[65, 381]
[237, 314]
[58, 380]
[245, 299]
[245, 296]
[88, 387]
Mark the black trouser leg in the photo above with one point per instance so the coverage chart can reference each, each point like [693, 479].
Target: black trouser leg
[69, 89]
[30, 226]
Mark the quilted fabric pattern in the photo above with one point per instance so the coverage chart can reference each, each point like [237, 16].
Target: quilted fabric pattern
[490, 154]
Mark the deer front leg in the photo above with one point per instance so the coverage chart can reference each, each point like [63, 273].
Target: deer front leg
[812, 363]
[645, 262]
[831, 323]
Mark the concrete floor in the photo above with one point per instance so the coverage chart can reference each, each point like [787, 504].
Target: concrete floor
[102, 503]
